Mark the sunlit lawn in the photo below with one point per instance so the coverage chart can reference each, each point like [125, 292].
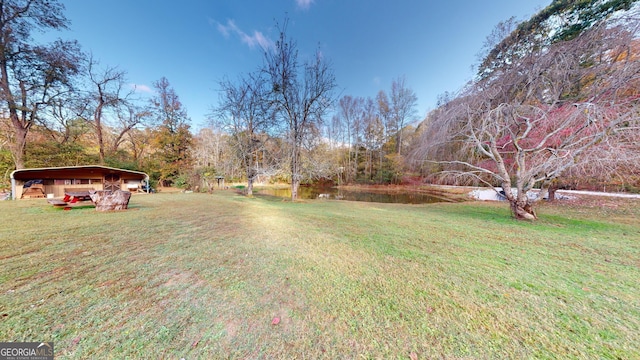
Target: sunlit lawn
[223, 276]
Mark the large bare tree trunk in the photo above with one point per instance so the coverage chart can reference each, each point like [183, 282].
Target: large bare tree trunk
[250, 178]
[523, 210]
[250, 187]
[17, 150]
[98, 124]
[295, 185]
[21, 128]
[521, 206]
[295, 176]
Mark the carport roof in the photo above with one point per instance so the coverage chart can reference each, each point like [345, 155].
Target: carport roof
[57, 172]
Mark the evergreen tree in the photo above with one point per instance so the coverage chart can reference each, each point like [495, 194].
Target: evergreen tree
[173, 138]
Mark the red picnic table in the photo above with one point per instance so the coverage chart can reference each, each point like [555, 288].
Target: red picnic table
[75, 196]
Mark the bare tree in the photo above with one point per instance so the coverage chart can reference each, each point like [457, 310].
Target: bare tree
[373, 135]
[108, 96]
[32, 75]
[301, 95]
[384, 113]
[349, 114]
[209, 146]
[129, 117]
[245, 113]
[335, 132]
[402, 107]
[546, 114]
[64, 122]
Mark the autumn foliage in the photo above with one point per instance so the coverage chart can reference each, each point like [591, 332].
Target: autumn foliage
[569, 107]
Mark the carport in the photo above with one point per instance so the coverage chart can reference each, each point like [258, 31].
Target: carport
[54, 181]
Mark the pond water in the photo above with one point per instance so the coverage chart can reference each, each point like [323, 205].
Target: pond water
[309, 192]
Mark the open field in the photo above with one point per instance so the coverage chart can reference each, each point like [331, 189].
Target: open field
[223, 276]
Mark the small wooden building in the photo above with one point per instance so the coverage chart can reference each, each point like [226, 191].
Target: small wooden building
[54, 181]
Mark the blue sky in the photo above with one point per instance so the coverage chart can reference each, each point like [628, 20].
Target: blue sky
[195, 43]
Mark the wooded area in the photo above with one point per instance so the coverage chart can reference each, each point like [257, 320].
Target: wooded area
[555, 104]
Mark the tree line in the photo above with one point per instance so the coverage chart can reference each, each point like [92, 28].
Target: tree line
[62, 107]
[550, 108]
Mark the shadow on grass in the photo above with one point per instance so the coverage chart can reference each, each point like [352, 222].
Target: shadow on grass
[499, 215]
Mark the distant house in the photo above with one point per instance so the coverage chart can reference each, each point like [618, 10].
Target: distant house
[53, 181]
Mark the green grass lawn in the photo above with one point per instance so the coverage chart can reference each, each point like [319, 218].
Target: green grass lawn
[208, 276]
